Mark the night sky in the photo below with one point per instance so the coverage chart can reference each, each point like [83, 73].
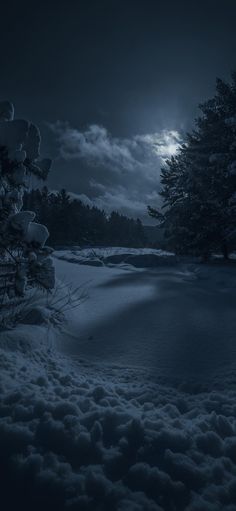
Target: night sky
[113, 86]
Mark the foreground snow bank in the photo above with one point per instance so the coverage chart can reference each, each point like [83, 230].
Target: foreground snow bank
[138, 257]
[78, 436]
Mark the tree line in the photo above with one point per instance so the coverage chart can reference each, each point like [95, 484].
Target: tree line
[198, 184]
[71, 222]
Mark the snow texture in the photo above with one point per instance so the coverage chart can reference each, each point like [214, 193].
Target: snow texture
[79, 434]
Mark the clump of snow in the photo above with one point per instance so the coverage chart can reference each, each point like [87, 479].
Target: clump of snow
[6, 111]
[33, 233]
[37, 234]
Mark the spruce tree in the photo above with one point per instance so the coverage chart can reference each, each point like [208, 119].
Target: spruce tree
[199, 183]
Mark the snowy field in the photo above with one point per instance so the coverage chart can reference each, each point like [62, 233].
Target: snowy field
[132, 405]
[176, 321]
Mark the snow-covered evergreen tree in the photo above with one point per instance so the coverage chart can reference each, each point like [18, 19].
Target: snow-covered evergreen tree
[22, 241]
[199, 183]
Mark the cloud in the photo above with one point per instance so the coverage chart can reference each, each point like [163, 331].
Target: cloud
[163, 144]
[119, 200]
[119, 173]
[94, 145]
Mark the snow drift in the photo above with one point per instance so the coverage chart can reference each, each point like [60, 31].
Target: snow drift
[109, 256]
[75, 434]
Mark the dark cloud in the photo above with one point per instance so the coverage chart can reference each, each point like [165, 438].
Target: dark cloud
[136, 69]
[121, 173]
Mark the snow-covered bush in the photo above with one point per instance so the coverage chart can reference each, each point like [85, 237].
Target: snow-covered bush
[24, 257]
[39, 310]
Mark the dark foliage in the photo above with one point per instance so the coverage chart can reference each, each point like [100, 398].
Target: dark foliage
[71, 222]
[199, 183]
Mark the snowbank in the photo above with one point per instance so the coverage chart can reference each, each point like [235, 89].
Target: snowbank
[109, 256]
[80, 436]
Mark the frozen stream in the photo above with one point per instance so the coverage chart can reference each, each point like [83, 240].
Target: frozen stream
[180, 321]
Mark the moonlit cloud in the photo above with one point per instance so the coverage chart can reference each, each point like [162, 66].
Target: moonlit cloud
[95, 146]
[122, 173]
[163, 144]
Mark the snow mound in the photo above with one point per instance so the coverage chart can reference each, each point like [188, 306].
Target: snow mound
[79, 436]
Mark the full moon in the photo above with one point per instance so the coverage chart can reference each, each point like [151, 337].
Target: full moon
[166, 143]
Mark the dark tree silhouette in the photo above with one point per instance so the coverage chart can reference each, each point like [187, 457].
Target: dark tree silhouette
[71, 222]
[199, 183]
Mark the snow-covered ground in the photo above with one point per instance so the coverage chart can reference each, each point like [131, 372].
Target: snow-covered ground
[109, 256]
[176, 321]
[132, 406]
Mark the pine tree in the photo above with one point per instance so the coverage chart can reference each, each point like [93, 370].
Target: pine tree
[199, 183]
[71, 222]
[22, 241]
